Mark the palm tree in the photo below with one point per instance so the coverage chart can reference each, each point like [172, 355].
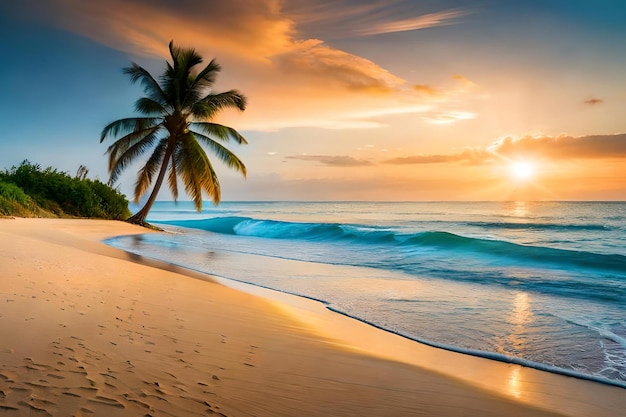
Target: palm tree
[177, 118]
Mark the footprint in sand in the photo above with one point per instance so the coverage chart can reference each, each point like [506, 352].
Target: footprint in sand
[8, 407]
[6, 376]
[35, 407]
[88, 389]
[99, 399]
[84, 412]
[138, 402]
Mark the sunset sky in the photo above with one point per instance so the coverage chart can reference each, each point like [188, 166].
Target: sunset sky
[347, 100]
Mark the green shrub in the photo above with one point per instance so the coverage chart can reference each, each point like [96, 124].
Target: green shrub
[12, 192]
[63, 195]
[111, 203]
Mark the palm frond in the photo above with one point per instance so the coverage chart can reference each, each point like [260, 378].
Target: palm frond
[125, 142]
[225, 155]
[203, 81]
[128, 125]
[178, 79]
[146, 105]
[206, 77]
[196, 171]
[121, 156]
[219, 131]
[211, 104]
[150, 86]
[184, 58]
[172, 177]
[171, 86]
[146, 173]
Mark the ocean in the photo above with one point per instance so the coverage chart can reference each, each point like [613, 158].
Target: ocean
[542, 284]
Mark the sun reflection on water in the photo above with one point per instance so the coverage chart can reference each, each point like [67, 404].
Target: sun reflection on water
[514, 383]
[520, 209]
[520, 317]
[521, 314]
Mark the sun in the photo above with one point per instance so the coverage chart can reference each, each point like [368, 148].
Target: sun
[522, 170]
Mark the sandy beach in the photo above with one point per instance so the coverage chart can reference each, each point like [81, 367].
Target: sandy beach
[87, 329]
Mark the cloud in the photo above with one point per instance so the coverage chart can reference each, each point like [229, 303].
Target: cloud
[246, 28]
[414, 23]
[469, 156]
[466, 82]
[426, 90]
[448, 117]
[461, 85]
[540, 147]
[594, 101]
[562, 146]
[343, 18]
[336, 67]
[291, 79]
[332, 160]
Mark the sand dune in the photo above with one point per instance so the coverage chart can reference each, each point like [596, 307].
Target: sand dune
[88, 330]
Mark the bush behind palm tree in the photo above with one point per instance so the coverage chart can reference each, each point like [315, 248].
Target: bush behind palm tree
[28, 190]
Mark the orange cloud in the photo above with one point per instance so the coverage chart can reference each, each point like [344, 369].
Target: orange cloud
[426, 90]
[552, 147]
[462, 85]
[448, 117]
[291, 80]
[337, 67]
[332, 160]
[414, 23]
[470, 156]
[563, 146]
[466, 82]
[351, 18]
[594, 101]
[245, 28]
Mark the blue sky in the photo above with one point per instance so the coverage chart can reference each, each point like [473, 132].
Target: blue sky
[339, 90]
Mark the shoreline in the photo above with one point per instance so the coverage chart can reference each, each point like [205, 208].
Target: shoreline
[491, 355]
[523, 383]
[314, 361]
[270, 293]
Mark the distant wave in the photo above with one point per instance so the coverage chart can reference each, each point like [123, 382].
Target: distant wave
[538, 226]
[388, 237]
[539, 254]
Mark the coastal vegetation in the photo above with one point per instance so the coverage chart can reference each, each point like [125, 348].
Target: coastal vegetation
[30, 191]
[177, 122]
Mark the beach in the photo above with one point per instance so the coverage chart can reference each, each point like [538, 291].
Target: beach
[88, 329]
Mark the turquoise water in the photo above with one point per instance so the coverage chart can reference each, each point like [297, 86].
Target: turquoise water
[540, 284]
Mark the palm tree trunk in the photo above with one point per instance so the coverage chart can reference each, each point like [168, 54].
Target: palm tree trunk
[140, 217]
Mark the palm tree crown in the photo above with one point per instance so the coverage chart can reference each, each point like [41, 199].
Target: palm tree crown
[177, 118]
